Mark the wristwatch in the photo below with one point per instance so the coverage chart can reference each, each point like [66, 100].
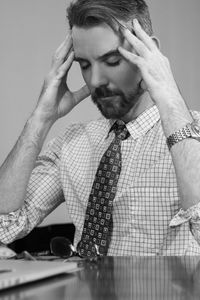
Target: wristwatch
[191, 130]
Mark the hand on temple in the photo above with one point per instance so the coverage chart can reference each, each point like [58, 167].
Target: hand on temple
[56, 100]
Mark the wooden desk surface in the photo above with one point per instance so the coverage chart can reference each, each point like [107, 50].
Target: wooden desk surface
[115, 278]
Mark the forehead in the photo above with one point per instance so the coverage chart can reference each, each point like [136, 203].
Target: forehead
[95, 41]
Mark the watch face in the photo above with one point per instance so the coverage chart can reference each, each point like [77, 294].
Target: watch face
[196, 129]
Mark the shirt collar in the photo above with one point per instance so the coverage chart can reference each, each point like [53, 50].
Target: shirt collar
[142, 124]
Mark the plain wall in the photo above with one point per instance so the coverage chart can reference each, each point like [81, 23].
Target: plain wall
[30, 31]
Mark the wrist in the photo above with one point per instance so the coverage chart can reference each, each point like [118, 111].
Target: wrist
[174, 114]
[191, 130]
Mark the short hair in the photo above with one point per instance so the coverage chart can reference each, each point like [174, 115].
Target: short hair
[89, 13]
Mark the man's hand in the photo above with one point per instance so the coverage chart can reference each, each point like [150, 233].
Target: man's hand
[154, 66]
[56, 100]
[158, 79]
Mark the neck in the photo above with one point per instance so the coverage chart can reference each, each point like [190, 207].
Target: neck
[144, 102]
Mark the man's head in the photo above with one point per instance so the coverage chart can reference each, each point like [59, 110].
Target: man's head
[95, 24]
[89, 13]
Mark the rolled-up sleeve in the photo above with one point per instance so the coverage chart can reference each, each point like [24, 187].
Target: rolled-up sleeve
[44, 194]
[191, 215]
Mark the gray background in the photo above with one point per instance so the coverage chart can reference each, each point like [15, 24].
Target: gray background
[30, 31]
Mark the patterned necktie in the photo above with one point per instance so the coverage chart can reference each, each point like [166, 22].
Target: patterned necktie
[97, 228]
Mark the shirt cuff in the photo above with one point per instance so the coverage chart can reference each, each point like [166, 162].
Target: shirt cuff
[10, 218]
[192, 214]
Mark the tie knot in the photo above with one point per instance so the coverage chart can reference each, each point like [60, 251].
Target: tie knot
[120, 130]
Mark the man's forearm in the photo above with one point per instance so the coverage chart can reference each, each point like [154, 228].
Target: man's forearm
[185, 154]
[158, 80]
[55, 101]
[16, 170]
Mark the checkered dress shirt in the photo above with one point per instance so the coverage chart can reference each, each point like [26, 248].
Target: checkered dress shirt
[147, 214]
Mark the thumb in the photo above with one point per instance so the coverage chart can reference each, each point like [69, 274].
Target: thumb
[81, 94]
[143, 85]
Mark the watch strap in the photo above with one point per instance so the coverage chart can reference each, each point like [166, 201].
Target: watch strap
[178, 136]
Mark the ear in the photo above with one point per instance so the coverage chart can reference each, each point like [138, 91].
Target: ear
[156, 41]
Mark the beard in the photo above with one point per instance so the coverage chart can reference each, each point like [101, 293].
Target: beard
[114, 104]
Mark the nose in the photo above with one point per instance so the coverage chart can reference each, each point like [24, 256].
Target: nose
[98, 78]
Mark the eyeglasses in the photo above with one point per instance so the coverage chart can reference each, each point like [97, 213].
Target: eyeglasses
[62, 247]
[59, 247]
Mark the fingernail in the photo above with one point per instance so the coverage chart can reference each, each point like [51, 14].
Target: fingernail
[135, 22]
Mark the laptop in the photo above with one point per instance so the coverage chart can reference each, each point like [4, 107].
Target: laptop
[16, 272]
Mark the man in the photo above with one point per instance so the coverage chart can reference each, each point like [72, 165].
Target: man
[155, 210]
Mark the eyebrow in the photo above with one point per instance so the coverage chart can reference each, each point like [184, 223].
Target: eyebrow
[102, 57]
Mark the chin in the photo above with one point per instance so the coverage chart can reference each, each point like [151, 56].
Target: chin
[114, 111]
[111, 113]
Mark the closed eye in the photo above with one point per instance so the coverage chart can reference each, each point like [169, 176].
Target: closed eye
[108, 63]
[84, 66]
[113, 63]
[113, 60]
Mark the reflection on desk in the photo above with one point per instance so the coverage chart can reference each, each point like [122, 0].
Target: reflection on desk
[152, 278]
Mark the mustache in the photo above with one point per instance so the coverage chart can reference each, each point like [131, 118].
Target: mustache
[104, 92]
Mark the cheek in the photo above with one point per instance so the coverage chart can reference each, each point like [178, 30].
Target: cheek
[127, 77]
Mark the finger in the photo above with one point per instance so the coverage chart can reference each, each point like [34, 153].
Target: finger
[143, 36]
[62, 51]
[81, 94]
[138, 45]
[140, 63]
[65, 42]
[64, 68]
[133, 58]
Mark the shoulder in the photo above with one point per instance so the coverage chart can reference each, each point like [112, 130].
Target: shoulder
[77, 131]
[94, 127]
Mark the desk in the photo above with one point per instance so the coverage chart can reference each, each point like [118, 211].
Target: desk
[116, 278]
